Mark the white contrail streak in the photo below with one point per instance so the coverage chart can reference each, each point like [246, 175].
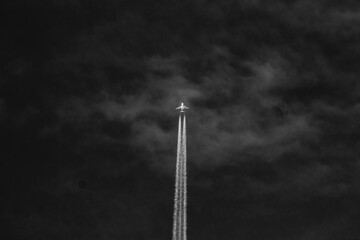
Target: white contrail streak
[180, 202]
[184, 180]
[177, 184]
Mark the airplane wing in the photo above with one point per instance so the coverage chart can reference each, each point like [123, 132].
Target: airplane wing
[178, 108]
[186, 107]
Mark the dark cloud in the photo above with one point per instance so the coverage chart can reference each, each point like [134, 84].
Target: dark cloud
[88, 91]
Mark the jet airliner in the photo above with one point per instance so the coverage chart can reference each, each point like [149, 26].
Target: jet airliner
[182, 107]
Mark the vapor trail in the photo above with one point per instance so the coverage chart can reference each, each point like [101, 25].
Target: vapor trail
[184, 180]
[180, 201]
[177, 185]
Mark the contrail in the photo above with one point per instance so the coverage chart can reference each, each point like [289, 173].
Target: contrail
[177, 185]
[180, 202]
[184, 180]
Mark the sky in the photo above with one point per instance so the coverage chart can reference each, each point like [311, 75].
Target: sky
[87, 96]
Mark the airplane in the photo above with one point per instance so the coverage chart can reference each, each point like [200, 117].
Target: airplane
[182, 107]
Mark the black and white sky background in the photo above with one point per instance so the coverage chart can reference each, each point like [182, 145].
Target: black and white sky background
[87, 96]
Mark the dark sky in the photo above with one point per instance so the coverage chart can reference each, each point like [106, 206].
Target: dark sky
[87, 96]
